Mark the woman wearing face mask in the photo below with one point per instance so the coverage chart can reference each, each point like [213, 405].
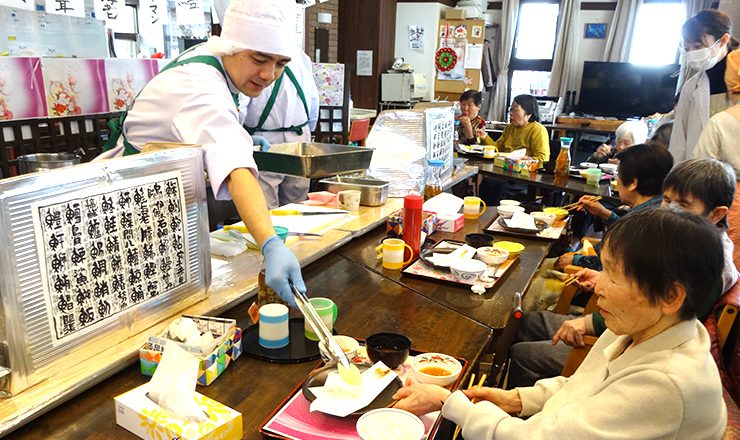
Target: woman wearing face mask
[706, 42]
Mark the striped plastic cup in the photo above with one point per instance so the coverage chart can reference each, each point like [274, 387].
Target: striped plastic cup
[274, 328]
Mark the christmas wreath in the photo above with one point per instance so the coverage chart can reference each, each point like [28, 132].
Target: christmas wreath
[446, 59]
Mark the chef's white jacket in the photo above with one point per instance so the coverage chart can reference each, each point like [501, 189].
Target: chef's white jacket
[192, 104]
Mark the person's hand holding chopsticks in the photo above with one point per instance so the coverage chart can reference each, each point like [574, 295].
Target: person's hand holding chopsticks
[592, 206]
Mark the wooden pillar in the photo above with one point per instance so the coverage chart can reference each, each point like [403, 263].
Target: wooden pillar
[367, 25]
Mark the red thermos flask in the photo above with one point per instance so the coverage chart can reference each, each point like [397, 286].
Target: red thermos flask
[412, 222]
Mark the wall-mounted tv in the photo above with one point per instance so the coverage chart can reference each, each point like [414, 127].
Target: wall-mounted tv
[622, 89]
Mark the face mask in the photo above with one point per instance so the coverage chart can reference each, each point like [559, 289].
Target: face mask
[704, 58]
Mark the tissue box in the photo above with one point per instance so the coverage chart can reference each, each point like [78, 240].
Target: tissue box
[394, 225]
[524, 165]
[228, 348]
[136, 412]
[450, 222]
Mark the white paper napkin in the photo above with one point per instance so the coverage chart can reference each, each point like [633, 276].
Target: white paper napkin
[173, 383]
[444, 203]
[339, 399]
[521, 220]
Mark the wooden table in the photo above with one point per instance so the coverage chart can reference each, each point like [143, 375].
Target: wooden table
[492, 309]
[571, 185]
[368, 303]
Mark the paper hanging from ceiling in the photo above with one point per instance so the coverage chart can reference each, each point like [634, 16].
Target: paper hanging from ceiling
[108, 10]
[189, 12]
[29, 5]
[74, 8]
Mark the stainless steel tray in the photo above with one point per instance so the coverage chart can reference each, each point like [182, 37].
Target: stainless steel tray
[374, 192]
[313, 160]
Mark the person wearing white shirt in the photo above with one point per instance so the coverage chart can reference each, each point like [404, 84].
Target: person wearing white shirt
[287, 111]
[649, 376]
[193, 100]
[706, 41]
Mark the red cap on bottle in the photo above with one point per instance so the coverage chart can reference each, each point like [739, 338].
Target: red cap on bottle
[413, 201]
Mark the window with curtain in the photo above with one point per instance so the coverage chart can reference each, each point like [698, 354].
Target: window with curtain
[534, 45]
[657, 32]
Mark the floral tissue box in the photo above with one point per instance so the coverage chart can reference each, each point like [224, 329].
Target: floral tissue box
[136, 412]
[394, 225]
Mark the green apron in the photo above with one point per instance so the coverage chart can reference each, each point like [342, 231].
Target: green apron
[297, 129]
[116, 125]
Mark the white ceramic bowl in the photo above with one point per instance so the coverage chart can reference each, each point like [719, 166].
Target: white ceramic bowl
[436, 368]
[546, 217]
[468, 270]
[506, 211]
[349, 346]
[492, 256]
[609, 168]
[588, 165]
[389, 424]
[510, 203]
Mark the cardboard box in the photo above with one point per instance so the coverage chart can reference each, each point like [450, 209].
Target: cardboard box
[450, 222]
[228, 348]
[455, 14]
[136, 412]
[525, 165]
[394, 225]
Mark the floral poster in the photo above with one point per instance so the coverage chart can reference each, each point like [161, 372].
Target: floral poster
[125, 79]
[330, 82]
[75, 86]
[21, 88]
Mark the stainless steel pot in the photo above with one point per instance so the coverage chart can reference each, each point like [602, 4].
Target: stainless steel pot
[31, 163]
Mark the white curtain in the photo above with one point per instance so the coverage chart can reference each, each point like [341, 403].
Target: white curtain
[694, 6]
[565, 59]
[620, 33]
[510, 11]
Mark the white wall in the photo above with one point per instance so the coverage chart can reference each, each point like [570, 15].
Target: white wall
[419, 14]
[732, 9]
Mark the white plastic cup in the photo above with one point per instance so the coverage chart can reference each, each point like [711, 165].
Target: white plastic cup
[274, 327]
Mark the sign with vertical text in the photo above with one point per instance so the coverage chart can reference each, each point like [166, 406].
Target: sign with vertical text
[107, 251]
[74, 8]
[189, 12]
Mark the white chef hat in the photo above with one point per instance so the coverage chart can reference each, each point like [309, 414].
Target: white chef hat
[262, 25]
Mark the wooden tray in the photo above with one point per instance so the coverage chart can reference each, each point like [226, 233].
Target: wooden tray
[554, 232]
[424, 269]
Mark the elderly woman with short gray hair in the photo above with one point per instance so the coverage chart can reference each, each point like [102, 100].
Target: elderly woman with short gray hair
[628, 134]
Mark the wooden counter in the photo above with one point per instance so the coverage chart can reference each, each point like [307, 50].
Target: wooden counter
[367, 303]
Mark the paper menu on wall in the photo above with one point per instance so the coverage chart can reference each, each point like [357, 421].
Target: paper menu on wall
[473, 56]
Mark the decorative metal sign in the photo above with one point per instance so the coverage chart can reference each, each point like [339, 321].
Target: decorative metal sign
[110, 250]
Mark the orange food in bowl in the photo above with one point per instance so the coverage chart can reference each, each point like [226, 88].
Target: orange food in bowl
[434, 370]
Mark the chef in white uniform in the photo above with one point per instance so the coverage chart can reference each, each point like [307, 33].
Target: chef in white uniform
[706, 40]
[194, 100]
[286, 111]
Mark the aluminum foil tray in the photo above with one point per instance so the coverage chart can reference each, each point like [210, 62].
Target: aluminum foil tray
[313, 160]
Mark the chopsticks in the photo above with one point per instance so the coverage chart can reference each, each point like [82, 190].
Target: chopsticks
[570, 280]
[579, 204]
[470, 385]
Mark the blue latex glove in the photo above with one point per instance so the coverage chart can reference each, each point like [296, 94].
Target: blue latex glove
[282, 266]
[262, 142]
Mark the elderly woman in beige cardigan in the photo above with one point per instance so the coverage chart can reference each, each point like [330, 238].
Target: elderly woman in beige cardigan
[650, 375]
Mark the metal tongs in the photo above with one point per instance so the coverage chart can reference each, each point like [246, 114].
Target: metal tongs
[347, 370]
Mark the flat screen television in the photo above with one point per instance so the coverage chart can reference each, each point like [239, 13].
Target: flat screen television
[622, 89]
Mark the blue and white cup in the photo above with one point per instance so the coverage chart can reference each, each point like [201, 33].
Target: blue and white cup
[274, 328]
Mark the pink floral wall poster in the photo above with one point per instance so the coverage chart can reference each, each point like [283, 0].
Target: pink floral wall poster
[125, 79]
[330, 82]
[21, 88]
[75, 86]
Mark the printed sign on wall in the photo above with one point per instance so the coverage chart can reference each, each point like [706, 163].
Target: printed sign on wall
[125, 79]
[21, 88]
[109, 251]
[29, 5]
[189, 12]
[75, 87]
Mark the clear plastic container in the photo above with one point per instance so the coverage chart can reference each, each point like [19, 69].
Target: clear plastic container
[434, 179]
